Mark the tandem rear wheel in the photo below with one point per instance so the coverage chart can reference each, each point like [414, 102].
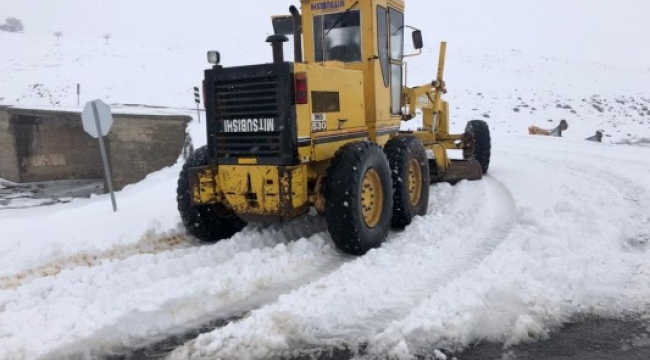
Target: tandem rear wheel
[410, 173]
[208, 223]
[359, 199]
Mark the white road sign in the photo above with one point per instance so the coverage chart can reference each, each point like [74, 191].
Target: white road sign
[101, 125]
[97, 121]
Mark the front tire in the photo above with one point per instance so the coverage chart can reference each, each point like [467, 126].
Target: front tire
[476, 143]
[410, 171]
[208, 223]
[358, 198]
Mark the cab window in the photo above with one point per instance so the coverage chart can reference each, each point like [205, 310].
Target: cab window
[396, 35]
[382, 42]
[338, 37]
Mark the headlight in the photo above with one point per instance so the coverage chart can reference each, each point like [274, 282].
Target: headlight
[214, 57]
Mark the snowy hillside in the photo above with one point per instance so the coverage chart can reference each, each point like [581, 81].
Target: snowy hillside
[560, 227]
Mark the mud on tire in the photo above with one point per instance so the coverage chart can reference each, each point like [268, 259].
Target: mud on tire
[208, 223]
[410, 173]
[358, 193]
[476, 143]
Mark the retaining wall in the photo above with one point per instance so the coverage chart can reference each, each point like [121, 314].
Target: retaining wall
[44, 145]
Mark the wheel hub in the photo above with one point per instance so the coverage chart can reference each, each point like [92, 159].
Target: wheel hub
[372, 198]
[414, 181]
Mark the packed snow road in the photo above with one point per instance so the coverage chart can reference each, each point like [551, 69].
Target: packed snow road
[558, 229]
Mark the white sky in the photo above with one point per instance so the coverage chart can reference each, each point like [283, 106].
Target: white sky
[599, 30]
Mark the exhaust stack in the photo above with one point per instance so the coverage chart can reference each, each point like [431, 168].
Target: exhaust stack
[297, 33]
[278, 47]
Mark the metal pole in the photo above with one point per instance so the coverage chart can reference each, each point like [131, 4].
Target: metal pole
[78, 92]
[102, 148]
[198, 112]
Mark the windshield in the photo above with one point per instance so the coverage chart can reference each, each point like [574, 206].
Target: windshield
[338, 37]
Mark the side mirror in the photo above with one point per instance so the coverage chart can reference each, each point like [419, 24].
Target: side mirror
[417, 39]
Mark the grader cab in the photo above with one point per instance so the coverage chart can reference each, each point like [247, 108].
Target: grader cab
[323, 131]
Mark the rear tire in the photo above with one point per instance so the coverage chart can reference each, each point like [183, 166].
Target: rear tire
[208, 223]
[476, 143]
[358, 193]
[410, 172]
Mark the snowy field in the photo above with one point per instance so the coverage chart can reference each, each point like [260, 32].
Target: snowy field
[559, 228]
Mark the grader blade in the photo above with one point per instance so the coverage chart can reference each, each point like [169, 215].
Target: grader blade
[463, 170]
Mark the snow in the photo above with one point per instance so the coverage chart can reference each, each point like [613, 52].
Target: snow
[560, 227]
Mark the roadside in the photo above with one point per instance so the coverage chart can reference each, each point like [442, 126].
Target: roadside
[26, 195]
[590, 338]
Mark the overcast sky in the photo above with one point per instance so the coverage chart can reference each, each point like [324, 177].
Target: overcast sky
[599, 30]
[607, 31]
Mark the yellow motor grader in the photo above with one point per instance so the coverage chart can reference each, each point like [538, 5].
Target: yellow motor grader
[323, 131]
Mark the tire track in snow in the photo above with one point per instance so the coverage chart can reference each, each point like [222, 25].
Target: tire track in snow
[636, 197]
[462, 311]
[629, 194]
[599, 162]
[128, 303]
[496, 228]
[629, 201]
[351, 304]
[150, 243]
[636, 226]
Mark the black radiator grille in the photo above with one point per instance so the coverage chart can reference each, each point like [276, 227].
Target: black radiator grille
[247, 98]
[251, 114]
[248, 144]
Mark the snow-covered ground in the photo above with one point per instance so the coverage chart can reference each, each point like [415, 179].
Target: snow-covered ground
[560, 227]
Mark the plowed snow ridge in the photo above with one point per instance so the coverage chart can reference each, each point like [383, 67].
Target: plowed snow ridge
[338, 309]
[123, 307]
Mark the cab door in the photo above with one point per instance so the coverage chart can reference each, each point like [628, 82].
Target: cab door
[390, 46]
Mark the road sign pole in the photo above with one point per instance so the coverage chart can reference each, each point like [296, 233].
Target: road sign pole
[102, 148]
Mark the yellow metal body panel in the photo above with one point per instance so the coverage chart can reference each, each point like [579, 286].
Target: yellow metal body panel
[379, 120]
[255, 192]
[328, 130]
[203, 185]
[440, 156]
[247, 161]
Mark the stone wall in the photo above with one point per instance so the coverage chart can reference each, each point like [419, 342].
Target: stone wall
[141, 144]
[8, 163]
[44, 145]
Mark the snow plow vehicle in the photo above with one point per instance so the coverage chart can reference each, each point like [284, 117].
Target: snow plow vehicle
[323, 131]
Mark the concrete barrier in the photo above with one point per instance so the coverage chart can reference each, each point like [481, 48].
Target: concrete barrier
[43, 145]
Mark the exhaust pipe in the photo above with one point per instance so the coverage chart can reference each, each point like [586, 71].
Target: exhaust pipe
[278, 49]
[297, 33]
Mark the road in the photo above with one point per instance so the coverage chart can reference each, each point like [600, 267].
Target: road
[585, 339]
[555, 232]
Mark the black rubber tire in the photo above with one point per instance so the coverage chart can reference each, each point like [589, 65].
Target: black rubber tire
[208, 223]
[477, 138]
[401, 151]
[343, 193]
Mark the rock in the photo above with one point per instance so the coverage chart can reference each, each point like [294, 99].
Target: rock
[598, 107]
